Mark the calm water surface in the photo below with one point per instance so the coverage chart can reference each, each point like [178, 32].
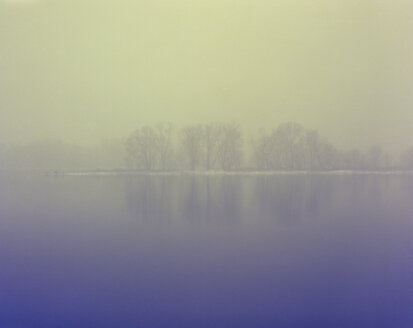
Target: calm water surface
[277, 251]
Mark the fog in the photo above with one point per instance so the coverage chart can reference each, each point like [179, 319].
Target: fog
[206, 163]
[85, 71]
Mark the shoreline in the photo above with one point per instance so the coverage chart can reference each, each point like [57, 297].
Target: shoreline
[223, 173]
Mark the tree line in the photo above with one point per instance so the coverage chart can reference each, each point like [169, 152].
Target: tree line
[222, 146]
[203, 147]
[194, 147]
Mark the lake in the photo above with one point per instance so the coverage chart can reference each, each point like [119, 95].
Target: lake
[287, 250]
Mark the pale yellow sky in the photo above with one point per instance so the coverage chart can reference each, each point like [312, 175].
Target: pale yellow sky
[83, 70]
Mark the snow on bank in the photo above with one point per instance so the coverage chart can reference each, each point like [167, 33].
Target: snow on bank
[220, 173]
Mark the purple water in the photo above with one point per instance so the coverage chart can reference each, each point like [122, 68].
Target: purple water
[296, 251]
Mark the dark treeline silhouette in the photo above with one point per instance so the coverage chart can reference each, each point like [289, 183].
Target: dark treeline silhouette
[204, 147]
[216, 146]
[221, 146]
[292, 147]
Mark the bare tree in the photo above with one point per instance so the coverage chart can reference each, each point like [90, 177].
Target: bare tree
[288, 139]
[192, 144]
[211, 136]
[263, 151]
[230, 146]
[164, 144]
[142, 148]
[319, 154]
[328, 156]
[312, 148]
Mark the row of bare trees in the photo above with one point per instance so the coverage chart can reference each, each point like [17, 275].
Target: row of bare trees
[221, 146]
[291, 147]
[150, 147]
[207, 147]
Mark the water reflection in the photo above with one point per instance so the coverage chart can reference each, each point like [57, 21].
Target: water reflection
[228, 199]
[207, 251]
[196, 200]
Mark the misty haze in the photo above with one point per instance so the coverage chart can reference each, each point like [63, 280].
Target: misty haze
[205, 163]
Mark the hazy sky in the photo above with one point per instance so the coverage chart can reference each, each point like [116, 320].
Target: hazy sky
[82, 70]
